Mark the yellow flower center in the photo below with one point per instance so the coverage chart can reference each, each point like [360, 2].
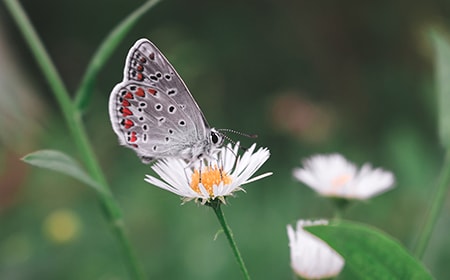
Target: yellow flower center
[209, 177]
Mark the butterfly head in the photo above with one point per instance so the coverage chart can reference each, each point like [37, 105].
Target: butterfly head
[216, 138]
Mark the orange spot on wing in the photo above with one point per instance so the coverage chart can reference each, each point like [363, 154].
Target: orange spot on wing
[128, 95]
[125, 103]
[133, 137]
[125, 111]
[140, 92]
[152, 91]
[127, 123]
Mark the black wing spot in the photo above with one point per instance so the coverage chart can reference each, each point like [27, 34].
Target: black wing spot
[158, 107]
[158, 74]
[155, 147]
[168, 77]
[170, 131]
[123, 92]
[140, 109]
[172, 92]
[161, 120]
[182, 123]
[143, 104]
[167, 139]
[133, 88]
[144, 127]
[153, 77]
[172, 109]
[141, 119]
[144, 137]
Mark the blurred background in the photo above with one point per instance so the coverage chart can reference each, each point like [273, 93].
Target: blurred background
[354, 77]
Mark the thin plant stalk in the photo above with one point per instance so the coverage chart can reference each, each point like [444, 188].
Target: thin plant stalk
[74, 122]
[436, 205]
[216, 205]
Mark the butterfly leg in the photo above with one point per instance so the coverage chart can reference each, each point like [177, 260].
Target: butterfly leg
[200, 172]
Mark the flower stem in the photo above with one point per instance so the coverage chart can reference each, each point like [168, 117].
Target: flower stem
[436, 205]
[74, 122]
[216, 205]
[341, 205]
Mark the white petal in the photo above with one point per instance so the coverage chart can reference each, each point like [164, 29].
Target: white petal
[371, 182]
[175, 174]
[311, 257]
[333, 175]
[259, 177]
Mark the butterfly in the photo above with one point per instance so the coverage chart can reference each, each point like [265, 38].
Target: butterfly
[152, 111]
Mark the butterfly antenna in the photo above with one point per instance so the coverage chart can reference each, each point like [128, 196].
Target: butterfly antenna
[238, 133]
[229, 139]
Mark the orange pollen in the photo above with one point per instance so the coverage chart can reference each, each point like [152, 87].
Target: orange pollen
[340, 181]
[209, 177]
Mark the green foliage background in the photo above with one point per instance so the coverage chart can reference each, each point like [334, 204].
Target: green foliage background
[353, 77]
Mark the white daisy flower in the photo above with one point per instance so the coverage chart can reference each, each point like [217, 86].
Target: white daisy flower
[311, 257]
[332, 175]
[218, 177]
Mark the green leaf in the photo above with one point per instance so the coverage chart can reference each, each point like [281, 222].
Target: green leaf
[370, 253]
[105, 51]
[60, 162]
[441, 47]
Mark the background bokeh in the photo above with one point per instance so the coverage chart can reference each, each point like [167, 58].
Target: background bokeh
[354, 77]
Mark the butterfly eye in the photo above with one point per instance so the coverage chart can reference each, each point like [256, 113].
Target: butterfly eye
[216, 139]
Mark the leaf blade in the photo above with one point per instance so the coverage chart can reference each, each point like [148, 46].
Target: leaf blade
[441, 45]
[370, 253]
[62, 163]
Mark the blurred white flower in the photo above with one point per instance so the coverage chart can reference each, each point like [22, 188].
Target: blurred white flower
[332, 175]
[311, 257]
[218, 177]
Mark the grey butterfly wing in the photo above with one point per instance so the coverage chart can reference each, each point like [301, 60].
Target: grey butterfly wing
[149, 121]
[146, 64]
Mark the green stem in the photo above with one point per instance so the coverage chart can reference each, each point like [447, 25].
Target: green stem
[73, 119]
[338, 214]
[215, 204]
[436, 205]
[341, 205]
